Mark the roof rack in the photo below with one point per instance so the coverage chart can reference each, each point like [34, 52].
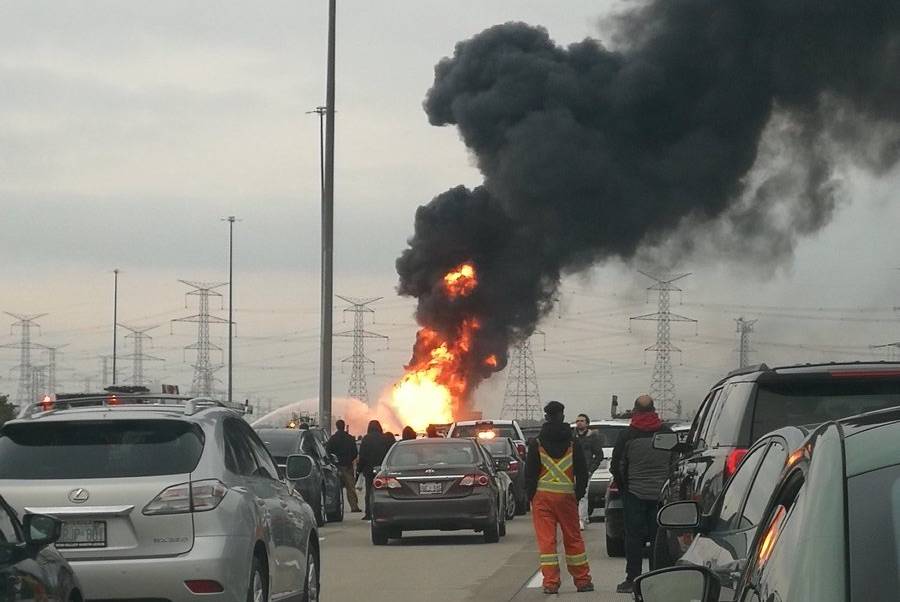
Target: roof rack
[189, 405]
[745, 370]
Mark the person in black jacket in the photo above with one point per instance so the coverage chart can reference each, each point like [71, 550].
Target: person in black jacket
[409, 433]
[641, 472]
[372, 450]
[592, 448]
[343, 445]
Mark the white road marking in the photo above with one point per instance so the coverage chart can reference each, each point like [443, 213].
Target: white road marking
[536, 581]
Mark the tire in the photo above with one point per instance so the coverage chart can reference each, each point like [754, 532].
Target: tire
[591, 509]
[492, 532]
[258, 588]
[662, 554]
[338, 515]
[512, 507]
[319, 509]
[522, 505]
[311, 586]
[501, 529]
[615, 548]
[379, 535]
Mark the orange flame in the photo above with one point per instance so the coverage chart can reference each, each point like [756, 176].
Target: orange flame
[491, 361]
[460, 281]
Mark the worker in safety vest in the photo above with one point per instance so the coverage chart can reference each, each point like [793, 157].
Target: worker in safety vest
[556, 477]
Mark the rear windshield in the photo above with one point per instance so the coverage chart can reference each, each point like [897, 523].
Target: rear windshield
[808, 402]
[281, 443]
[109, 449]
[498, 448]
[609, 434]
[425, 454]
[472, 431]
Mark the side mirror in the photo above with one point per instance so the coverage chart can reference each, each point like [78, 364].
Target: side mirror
[679, 515]
[501, 464]
[299, 467]
[41, 530]
[665, 441]
[678, 584]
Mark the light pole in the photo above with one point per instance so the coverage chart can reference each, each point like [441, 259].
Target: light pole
[230, 219]
[115, 319]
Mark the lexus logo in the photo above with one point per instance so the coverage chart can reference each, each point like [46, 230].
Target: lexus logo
[79, 496]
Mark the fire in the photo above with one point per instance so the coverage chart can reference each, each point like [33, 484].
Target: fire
[460, 281]
[491, 361]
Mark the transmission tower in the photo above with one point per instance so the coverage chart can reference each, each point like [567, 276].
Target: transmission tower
[204, 370]
[50, 368]
[522, 399]
[26, 392]
[744, 329]
[359, 308]
[662, 387]
[137, 356]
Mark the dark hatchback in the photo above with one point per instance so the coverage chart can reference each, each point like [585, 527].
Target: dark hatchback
[322, 490]
[505, 452]
[441, 484]
[30, 567]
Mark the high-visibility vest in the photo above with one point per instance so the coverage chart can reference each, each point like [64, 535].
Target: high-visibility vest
[557, 476]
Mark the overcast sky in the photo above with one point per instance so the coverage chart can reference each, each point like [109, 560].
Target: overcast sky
[128, 130]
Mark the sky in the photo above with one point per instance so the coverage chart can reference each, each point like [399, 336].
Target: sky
[128, 131]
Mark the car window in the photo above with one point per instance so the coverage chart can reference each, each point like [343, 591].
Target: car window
[265, 464]
[471, 430]
[415, 455]
[707, 420]
[778, 571]
[609, 434]
[8, 531]
[308, 445]
[727, 425]
[239, 457]
[874, 516]
[763, 485]
[736, 490]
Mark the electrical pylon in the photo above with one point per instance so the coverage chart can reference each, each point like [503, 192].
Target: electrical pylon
[204, 370]
[137, 356]
[359, 308]
[50, 367]
[26, 391]
[662, 387]
[522, 399]
[744, 329]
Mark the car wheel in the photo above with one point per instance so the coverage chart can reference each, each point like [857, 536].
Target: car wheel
[522, 504]
[395, 534]
[511, 505]
[338, 515]
[320, 508]
[492, 532]
[258, 590]
[379, 535]
[590, 509]
[615, 548]
[311, 586]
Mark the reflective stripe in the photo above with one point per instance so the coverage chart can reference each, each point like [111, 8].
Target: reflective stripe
[576, 559]
[549, 560]
[556, 477]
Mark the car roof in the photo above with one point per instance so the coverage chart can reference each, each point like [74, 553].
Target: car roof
[125, 413]
[485, 422]
[284, 435]
[753, 373]
[434, 441]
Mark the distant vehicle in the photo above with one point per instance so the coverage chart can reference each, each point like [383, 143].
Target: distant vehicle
[439, 483]
[30, 567]
[827, 531]
[749, 403]
[608, 431]
[163, 498]
[488, 429]
[504, 451]
[322, 490]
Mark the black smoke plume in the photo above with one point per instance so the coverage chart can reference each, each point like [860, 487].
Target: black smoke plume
[711, 122]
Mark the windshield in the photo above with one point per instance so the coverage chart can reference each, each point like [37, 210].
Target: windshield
[609, 434]
[471, 430]
[414, 456]
[281, 443]
[498, 448]
[88, 449]
[874, 515]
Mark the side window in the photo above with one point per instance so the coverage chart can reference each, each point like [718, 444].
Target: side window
[697, 426]
[266, 467]
[763, 485]
[238, 455]
[777, 570]
[709, 420]
[308, 445]
[9, 533]
[320, 450]
[729, 417]
[736, 490]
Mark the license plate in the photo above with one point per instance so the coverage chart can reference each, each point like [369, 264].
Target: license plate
[430, 488]
[83, 534]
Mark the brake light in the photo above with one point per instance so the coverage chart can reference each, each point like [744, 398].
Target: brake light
[513, 466]
[475, 480]
[733, 461]
[486, 434]
[523, 451]
[204, 586]
[199, 496]
[386, 483]
[613, 487]
[112, 400]
[771, 536]
[863, 373]
[46, 403]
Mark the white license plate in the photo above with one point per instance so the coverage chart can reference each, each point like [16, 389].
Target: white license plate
[83, 534]
[430, 488]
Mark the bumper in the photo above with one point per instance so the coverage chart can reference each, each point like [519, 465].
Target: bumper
[223, 559]
[470, 512]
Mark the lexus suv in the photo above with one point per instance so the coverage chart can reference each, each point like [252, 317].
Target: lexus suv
[162, 498]
[747, 404]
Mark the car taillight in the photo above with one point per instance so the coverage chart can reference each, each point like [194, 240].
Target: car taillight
[733, 461]
[523, 451]
[613, 487]
[385, 483]
[513, 466]
[475, 480]
[199, 496]
[204, 586]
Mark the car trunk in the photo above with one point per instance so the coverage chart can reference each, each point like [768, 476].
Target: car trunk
[432, 483]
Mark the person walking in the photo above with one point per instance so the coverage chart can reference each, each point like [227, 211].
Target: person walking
[408, 434]
[372, 449]
[592, 448]
[641, 472]
[555, 479]
[343, 445]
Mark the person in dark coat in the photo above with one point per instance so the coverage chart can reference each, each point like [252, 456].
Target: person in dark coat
[592, 448]
[431, 432]
[409, 433]
[343, 445]
[372, 450]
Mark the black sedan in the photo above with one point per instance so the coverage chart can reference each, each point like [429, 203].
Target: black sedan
[507, 455]
[322, 491]
[30, 567]
[442, 484]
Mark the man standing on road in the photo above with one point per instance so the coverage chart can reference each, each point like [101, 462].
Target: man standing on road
[343, 445]
[372, 450]
[640, 472]
[592, 448]
[555, 479]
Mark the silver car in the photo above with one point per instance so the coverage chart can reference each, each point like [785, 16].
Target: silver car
[163, 498]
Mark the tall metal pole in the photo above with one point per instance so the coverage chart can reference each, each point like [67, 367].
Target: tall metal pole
[230, 298]
[115, 320]
[328, 234]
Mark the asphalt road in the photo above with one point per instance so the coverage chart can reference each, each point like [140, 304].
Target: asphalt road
[452, 566]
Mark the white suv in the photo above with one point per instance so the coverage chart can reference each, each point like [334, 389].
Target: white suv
[489, 429]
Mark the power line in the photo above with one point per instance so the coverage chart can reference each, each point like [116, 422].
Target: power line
[522, 398]
[359, 308]
[204, 370]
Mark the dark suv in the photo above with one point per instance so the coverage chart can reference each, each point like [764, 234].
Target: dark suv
[747, 404]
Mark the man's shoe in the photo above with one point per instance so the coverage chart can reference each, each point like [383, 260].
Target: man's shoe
[626, 587]
[587, 587]
[551, 589]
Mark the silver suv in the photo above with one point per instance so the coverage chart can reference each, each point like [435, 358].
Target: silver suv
[163, 498]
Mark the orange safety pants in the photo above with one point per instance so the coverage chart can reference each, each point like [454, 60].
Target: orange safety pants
[547, 511]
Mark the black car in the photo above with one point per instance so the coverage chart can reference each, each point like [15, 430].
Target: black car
[505, 452]
[322, 491]
[828, 530]
[30, 567]
[444, 484]
[754, 401]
